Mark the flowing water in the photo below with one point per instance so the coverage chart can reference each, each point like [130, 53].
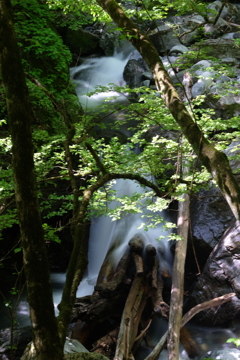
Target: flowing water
[101, 71]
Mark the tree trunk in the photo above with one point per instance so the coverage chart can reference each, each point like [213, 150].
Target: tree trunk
[44, 325]
[215, 161]
[175, 313]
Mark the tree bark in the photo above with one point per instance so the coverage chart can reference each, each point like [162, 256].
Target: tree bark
[215, 161]
[131, 317]
[175, 313]
[35, 262]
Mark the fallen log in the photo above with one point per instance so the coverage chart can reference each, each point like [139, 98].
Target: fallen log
[108, 288]
[107, 269]
[131, 317]
[106, 345]
[138, 264]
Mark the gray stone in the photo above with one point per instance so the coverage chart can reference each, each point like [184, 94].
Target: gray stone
[133, 71]
[72, 346]
[224, 354]
[226, 105]
[163, 38]
[147, 75]
[229, 10]
[145, 83]
[223, 79]
[178, 50]
[199, 88]
[233, 154]
[220, 48]
[200, 65]
[228, 36]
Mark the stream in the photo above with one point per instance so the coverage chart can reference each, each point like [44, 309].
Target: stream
[101, 71]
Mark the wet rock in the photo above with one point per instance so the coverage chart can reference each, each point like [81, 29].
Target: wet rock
[72, 346]
[210, 216]
[133, 72]
[226, 354]
[220, 276]
[21, 337]
[81, 42]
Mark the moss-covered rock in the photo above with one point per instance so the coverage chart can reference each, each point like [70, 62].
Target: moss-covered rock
[81, 42]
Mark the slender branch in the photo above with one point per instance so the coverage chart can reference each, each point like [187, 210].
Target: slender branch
[220, 11]
[214, 302]
[96, 158]
[206, 305]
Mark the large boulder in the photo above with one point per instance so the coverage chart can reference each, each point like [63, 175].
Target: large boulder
[221, 275]
[219, 48]
[224, 354]
[81, 42]
[164, 38]
[133, 72]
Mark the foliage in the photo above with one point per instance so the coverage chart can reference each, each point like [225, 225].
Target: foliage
[235, 341]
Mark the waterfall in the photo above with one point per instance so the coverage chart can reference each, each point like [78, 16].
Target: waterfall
[101, 72]
[103, 232]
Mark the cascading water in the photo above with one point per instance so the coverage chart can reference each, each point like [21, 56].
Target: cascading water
[97, 72]
[101, 71]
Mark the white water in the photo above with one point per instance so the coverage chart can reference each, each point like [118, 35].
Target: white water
[103, 231]
[101, 72]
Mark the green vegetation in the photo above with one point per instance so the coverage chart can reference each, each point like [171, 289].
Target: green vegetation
[75, 165]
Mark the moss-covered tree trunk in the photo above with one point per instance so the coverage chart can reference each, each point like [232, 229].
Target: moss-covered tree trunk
[44, 325]
[215, 161]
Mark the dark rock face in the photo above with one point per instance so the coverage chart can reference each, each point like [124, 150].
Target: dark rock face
[133, 72]
[221, 275]
[210, 216]
[81, 42]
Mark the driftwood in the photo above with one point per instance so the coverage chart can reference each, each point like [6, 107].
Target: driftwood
[159, 306]
[138, 264]
[107, 269]
[131, 317]
[154, 355]
[106, 289]
[106, 345]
